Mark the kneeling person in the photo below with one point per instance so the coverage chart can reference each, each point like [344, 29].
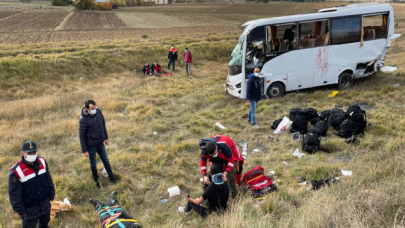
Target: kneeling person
[217, 194]
[111, 215]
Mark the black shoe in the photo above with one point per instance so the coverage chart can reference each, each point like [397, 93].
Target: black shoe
[93, 201]
[112, 179]
[98, 184]
[112, 200]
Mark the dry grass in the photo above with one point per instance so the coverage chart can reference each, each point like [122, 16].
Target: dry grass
[43, 104]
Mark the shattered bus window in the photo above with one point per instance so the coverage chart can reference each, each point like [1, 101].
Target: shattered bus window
[375, 27]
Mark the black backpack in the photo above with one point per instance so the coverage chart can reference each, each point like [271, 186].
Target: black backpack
[324, 115]
[356, 114]
[300, 121]
[311, 142]
[321, 127]
[336, 117]
[350, 128]
[276, 123]
[296, 112]
[310, 113]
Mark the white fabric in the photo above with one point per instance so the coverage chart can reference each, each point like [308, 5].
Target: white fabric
[389, 69]
[284, 125]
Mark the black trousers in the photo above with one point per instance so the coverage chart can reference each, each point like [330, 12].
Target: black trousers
[42, 221]
[203, 211]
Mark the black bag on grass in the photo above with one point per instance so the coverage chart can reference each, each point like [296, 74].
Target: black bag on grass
[321, 127]
[300, 124]
[324, 115]
[296, 112]
[336, 117]
[350, 128]
[356, 114]
[311, 142]
[310, 113]
[314, 120]
[276, 123]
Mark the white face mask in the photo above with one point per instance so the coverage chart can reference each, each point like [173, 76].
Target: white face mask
[214, 156]
[186, 50]
[257, 74]
[93, 112]
[31, 158]
[172, 47]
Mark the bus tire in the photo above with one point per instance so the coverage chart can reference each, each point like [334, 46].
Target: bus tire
[275, 90]
[345, 80]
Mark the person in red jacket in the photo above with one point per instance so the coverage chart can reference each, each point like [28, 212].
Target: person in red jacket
[188, 58]
[221, 149]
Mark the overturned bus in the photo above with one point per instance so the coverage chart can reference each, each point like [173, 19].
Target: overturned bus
[333, 46]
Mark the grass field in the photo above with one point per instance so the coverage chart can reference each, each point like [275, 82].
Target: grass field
[45, 76]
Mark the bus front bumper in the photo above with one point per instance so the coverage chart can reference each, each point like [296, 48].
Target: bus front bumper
[233, 86]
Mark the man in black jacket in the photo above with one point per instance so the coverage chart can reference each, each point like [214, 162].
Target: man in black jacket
[30, 188]
[253, 95]
[217, 194]
[172, 57]
[93, 136]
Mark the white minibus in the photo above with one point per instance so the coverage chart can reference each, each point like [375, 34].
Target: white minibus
[333, 46]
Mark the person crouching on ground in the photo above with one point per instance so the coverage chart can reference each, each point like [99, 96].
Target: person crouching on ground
[253, 95]
[217, 194]
[111, 215]
[157, 69]
[146, 70]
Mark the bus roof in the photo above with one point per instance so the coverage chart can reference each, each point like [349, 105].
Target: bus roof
[337, 11]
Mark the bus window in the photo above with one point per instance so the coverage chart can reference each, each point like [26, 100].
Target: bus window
[345, 30]
[375, 27]
[255, 49]
[235, 65]
[281, 38]
[313, 34]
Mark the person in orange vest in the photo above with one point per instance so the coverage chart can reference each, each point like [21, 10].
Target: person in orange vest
[172, 57]
[30, 188]
[188, 58]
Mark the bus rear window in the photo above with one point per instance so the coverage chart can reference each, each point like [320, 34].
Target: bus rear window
[345, 30]
[375, 26]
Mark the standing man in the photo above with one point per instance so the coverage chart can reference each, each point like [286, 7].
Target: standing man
[221, 149]
[188, 58]
[172, 57]
[253, 95]
[30, 188]
[93, 136]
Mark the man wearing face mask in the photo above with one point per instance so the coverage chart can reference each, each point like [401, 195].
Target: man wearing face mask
[253, 95]
[93, 135]
[172, 57]
[30, 188]
[188, 58]
[222, 150]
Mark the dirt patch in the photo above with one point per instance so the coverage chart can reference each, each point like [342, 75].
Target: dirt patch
[32, 21]
[94, 21]
[153, 20]
[5, 14]
[63, 23]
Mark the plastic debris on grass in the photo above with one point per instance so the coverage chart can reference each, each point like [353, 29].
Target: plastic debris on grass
[285, 163]
[271, 173]
[347, 172]
[295, 137]
[174, 191]
[297, 153]
[259, 147]
[284, 125]
[104, 173]
[388, 69]
[220, 125]
[333, 94]
[244, 149]
[181, 209]
[154, 133]
[58, 206]
[164, 200]
[274, 138]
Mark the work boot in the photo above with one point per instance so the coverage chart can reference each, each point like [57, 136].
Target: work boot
[112, 179]
[98, 184]
[93, 202]
[112, 200]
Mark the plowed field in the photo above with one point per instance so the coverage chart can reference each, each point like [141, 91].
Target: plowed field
[32, 21]
[94, 21]
[4, 14]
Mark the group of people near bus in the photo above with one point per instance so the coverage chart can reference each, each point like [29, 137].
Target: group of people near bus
[172, 57]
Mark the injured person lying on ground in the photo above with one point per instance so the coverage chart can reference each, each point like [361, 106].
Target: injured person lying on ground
[111, 215]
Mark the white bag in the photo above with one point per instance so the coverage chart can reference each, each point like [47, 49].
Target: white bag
[283, 126]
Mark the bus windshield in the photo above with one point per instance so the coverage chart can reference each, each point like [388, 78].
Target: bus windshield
[235, 65]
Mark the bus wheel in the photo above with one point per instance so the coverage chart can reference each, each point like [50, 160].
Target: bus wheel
[275, 90]
[345, 80]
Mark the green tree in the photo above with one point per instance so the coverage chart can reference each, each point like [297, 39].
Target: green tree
[85, 5]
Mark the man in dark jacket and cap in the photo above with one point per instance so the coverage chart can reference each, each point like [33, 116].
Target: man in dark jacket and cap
[93, 136]
[30, 188]
[253, 95]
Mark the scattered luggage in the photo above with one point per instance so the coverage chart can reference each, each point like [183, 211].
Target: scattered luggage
[321, 127]
[311, 142]
[310, 113]
[276, 123]
[299, 119]
[335, 118]
[257, 183]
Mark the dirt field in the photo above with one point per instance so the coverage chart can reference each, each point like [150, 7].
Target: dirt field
[32, 21]
[94, 21]
[5, 14]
